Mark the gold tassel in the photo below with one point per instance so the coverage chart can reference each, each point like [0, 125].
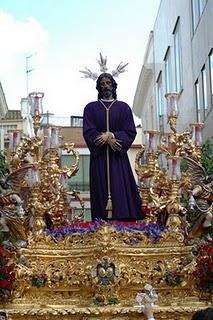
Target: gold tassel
[109, 208]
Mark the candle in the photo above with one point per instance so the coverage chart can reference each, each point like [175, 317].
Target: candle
[172, 104]
[152, 137]
[197, 129]
[35, 101]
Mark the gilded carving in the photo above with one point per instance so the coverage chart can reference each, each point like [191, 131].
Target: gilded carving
[97, 275]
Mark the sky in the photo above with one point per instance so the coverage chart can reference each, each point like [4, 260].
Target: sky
[57, 38]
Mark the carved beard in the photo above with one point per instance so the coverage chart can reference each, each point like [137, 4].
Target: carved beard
[106, 93]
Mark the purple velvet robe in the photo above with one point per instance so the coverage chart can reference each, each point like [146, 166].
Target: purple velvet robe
[126, 200]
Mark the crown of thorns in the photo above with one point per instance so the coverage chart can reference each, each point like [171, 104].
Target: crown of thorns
[103, 68]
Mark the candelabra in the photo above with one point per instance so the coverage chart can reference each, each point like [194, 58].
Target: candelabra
[36, 161]
[161, 188]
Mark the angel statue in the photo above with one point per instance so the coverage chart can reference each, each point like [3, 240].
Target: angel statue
[201, 199]
[13, 203]
[148, 295]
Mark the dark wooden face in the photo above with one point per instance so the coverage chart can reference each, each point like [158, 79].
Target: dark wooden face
[106, 88]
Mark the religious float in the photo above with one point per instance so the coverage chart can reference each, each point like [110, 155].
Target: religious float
[62, 267]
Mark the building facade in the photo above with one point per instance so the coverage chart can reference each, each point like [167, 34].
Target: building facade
[178, 58]
[3, 103]
[9, 120]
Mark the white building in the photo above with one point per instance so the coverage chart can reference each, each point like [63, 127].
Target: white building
[9, 120]
[179, 57]
[3, 103]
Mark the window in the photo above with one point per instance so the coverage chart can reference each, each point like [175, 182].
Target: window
[168, 71]
[8, 127]
[201, 4]
[80, 182]
[178, 58]
[160, 95]
[211, 75]
[197, 100]
[195, 14]
[76, 121]
[160, 101]
[198, 7]
[204, 91]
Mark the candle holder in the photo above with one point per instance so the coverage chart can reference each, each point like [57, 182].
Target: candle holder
[197, 139]
[163, 195]
[174, 168]
[35, 101]
[53, 137]
[45, 181]
[172, 109]
[152, 137]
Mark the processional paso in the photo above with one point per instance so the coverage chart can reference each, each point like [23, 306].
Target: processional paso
[95, 270]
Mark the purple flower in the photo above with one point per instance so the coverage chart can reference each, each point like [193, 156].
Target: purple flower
[152, 230]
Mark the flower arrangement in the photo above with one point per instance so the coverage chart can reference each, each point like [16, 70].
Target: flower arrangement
[173, 278]
[7, 273]
[101, 300]
[152, 230]
[203, 272]
[112, 300]
[132, 240]
[39, 280]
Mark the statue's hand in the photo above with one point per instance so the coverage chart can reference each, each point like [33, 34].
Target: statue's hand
[101, 139]
[104, 138]
[115, 144]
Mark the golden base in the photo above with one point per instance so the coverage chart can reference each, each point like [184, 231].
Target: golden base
[80, 269]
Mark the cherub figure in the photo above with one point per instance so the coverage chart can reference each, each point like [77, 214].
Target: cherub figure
[148, 295]
[12, 204]
[201, 198]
